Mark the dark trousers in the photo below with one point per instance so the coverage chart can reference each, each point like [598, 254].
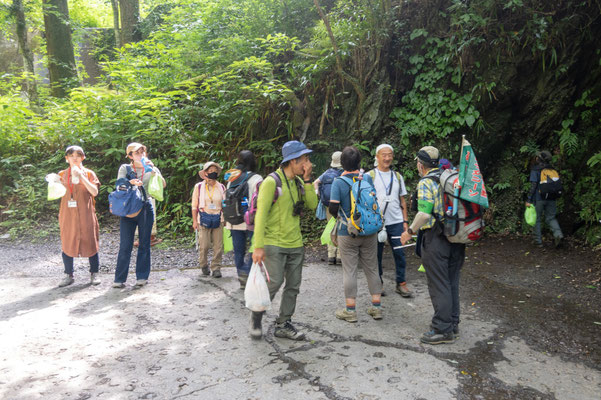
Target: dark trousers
[240, 239]
[399, 255]
[143, 221]
[68, 261]
[443, 261]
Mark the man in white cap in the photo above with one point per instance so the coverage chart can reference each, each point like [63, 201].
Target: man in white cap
[441, 259]
[323, 187]
[391, 192]
[278, 240]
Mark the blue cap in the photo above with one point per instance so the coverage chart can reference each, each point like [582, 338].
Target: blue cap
[294, 149]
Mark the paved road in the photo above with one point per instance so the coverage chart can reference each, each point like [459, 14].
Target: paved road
[185, 337]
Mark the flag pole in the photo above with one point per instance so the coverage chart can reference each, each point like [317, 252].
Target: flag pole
[458, 184]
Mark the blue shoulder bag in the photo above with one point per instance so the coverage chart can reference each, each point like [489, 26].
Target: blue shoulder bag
[127, 199]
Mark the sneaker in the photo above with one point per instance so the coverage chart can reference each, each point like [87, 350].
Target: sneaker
[255, 325]
[217, 274]
[338, 261]
[375, 312]
[403, 290]
[206, 270]
[94, 280]
[288, 331]
[332, 261]
[557, 242]
[67, 280]
[346, 315]
[141, 282]
[538, 244]
[118, 285]
[434, 337]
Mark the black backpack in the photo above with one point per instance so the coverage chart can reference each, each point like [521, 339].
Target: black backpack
[234, 203]
[325, 187]
[549, 186]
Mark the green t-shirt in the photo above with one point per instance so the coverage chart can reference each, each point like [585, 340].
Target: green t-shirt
[274, 223]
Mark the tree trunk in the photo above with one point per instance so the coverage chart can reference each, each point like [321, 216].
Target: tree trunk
[130, 17]
[32, 89]
[115, 6]
[61, 59]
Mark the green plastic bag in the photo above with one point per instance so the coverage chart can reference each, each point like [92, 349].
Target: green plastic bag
[155, 187]
[228, 244]
[325, 236]
[530, 215]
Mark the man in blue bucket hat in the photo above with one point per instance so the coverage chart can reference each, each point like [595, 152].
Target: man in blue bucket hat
[277, 238]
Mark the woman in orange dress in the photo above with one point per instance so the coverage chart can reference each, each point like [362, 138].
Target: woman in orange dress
[77, 215]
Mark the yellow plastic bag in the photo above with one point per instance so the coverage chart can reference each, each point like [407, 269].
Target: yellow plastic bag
[325, 236]
[155, 187]
[530, 215]
[228, 243]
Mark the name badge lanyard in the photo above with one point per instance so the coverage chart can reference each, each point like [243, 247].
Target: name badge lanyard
[211, 206]
[133, 164]
[71, 203]
[388, 190]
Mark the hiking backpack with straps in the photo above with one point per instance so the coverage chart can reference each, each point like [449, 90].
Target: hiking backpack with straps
[233, 204]
[469, 225]
[365, 218]
[549, 186]
[249, 215]
[325, 188]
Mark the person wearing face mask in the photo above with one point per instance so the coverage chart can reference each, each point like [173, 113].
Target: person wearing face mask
[441, 259]
[207, 219]
[138, 173]
[77, 215]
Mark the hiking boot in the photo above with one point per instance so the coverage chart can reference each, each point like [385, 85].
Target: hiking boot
[434, 337]
[456, 331]
[217, 274]
[338, 261]
[67, 280]
[94, 279]
[287, 331]
[255, 325]
[557, 242]
[118, 285]
[538, 244]
[375, 312]
[332, 261]
[206, 270]
[403, 290]
[242, 278]
[141, 282]
[346, 315]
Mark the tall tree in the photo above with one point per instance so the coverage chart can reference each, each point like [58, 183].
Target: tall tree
[61, 58]
[130, 17]
[21, 23]
[115, 6]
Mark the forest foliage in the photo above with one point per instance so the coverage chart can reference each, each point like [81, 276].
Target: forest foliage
[213, 77]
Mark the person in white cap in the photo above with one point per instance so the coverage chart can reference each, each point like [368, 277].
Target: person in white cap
[391, 192]
[323, 188]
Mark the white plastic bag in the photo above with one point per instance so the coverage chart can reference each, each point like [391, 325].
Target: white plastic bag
[56, 190]
[383, 235]
[256, 293]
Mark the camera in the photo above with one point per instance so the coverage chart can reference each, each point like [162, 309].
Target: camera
[298, 208]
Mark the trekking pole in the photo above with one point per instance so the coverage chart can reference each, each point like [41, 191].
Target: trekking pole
[196, 238]
[402, 247]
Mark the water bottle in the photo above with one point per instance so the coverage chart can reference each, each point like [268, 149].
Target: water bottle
[147, 167]
[449, 223]
[244, 204]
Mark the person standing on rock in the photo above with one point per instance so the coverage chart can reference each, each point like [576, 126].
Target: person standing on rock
[243, 174]
[77, 215]
[138, 173]
[391, 192]
[442, 259]
[354, 251]
[207, 218]
[548, 206]
[323, 187]
[277, 238]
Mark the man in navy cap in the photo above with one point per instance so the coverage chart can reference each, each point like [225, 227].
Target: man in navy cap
[277, 237]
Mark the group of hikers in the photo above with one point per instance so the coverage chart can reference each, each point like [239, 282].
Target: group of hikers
[266, 212]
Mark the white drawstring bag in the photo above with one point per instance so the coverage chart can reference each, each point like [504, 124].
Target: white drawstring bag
[256, 293]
